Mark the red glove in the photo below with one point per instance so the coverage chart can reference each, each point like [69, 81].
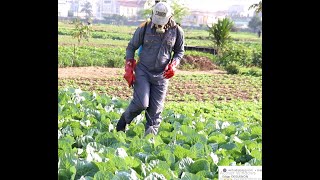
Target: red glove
[129, 68]
[170, 69]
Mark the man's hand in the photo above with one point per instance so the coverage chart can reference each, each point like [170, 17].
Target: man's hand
[170, 69]
[129, 68]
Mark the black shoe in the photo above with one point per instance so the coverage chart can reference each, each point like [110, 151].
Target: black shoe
[121, 126]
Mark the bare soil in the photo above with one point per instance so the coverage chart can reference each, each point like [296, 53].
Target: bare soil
[203, 65]
[103, 72]
[199, 63]
[110, 81]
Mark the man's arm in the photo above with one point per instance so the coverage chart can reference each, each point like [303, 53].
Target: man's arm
[178, 48]
[134, 43]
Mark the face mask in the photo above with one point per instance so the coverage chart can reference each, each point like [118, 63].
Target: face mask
[159, 29]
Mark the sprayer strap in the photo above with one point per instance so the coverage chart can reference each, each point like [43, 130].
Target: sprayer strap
[144, 31]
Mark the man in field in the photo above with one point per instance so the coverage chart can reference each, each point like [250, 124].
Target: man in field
[157, 64]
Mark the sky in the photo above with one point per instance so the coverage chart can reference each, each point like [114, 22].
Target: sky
[217, 5]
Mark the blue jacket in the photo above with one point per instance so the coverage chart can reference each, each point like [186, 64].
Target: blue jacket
[158, 49]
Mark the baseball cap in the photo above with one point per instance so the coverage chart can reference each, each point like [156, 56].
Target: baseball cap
[161, 13]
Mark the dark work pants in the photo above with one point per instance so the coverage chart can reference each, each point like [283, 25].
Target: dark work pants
[149, 94]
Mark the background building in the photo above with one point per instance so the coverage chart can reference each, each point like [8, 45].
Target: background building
[129, 9]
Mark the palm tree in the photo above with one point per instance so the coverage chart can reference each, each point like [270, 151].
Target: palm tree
[257, 7]
[220, 33]
[255, 23]
[87, 8]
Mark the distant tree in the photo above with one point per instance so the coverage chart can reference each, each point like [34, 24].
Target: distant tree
[81, 31]
[219, 33]
[142, 14]
[255, 23]
[257, 7]
[180, 10]
[87, 8]
[145, 13]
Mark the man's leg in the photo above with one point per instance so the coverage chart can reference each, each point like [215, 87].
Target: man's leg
[156, 104]
[139, 102]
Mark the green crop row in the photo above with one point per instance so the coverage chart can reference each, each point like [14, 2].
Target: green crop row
[189, 33]
[194, 139]
[192, 37]
[110, 56]
[90, 56]
[100, 35]
[111, 45]
[236, 36]
[241, 55]
[93, 42]
[101, 27]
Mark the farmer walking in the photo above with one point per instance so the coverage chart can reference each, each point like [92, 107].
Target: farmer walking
[150, 76]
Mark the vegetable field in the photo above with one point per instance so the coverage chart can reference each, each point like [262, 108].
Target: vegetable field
[193, 140]
[210, 118]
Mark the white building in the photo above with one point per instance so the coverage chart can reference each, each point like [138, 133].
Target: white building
[197, 18]
[63, 7]
[77, 6]
[129, 8]
[100, 8]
